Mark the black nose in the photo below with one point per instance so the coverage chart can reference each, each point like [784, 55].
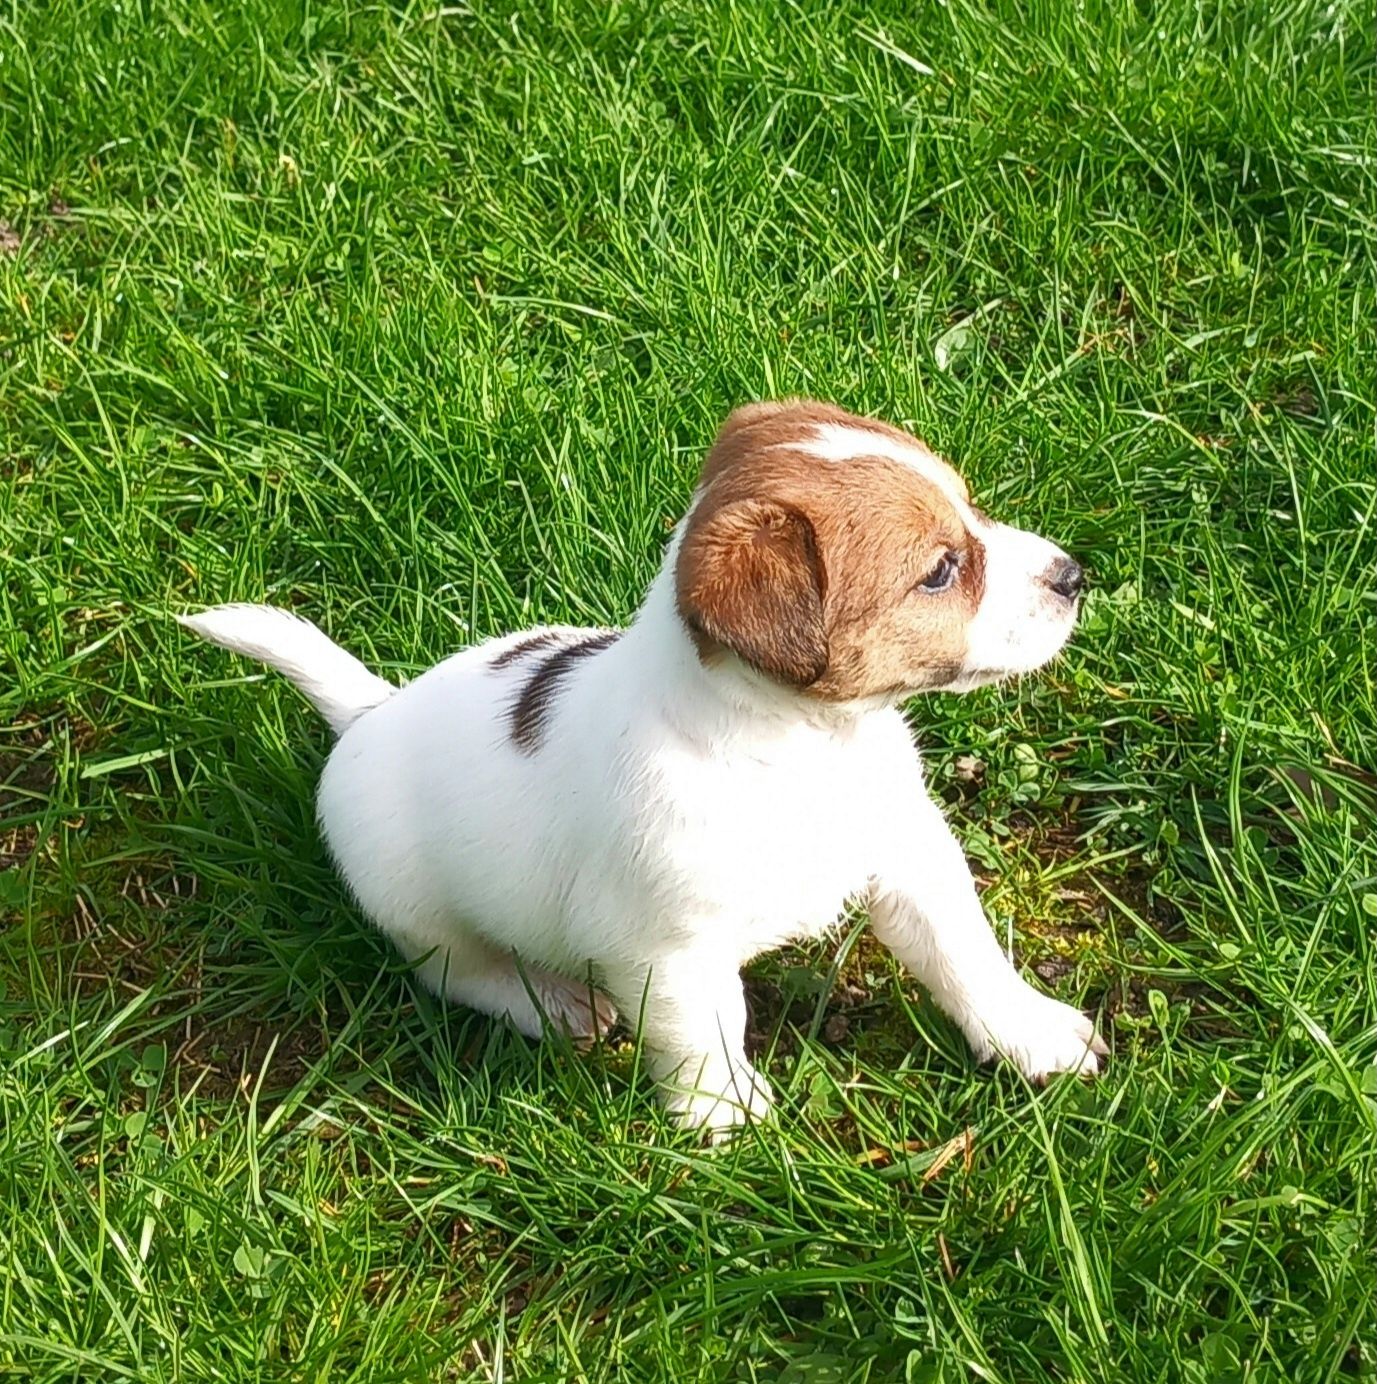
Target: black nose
[1066, 578]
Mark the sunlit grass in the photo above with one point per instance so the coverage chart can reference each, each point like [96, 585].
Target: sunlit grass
[419, 320]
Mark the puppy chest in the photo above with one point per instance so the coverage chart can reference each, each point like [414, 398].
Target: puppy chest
[778, 851]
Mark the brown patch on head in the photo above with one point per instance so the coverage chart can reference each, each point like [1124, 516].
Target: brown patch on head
[811, 569]
[527, 716]
[778, 423]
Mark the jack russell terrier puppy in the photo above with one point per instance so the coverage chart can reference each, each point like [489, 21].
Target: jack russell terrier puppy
[561, 821]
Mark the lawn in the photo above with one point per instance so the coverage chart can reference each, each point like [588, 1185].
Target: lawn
[418, 318]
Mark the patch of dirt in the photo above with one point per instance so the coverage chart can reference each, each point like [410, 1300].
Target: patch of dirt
[16, 846]
[1298, 400]
[223, 1054]
[1127, 993]
[157, 885]
[59, 218]
[97, 950]
[782, 993]
[226, 1057]
[134, 941]
[26, 779]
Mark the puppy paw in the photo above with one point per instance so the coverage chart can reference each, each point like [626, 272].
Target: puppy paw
[722, 1104]
[1041, 1037]
[573, 1008]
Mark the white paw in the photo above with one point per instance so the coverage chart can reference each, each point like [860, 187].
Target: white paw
[1041, 1037]
[576, 1009]
[721, 1102]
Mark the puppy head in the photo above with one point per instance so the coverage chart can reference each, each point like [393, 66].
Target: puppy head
[838, 555]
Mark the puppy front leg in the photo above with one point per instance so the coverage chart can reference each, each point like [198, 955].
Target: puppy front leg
[693, 1028]
[926, 911]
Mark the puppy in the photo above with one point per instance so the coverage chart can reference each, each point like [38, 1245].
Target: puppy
[561, 821]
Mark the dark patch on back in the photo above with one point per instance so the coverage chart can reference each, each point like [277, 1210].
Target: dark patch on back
[542, 639]
[532, 705]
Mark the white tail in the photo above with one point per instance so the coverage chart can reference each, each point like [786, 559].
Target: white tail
[335, 682]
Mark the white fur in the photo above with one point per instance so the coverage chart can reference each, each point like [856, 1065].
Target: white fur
[841, 442]
[1021, 622]
[334, 682]
[675, 820]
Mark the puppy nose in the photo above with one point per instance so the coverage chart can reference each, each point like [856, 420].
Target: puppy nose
[1066, 577]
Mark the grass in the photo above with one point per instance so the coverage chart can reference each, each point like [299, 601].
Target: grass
[419, 319]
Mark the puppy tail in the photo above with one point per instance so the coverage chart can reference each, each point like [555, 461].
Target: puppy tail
[335, 683]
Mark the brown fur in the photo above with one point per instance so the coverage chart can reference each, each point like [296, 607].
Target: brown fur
[807, 568]
[751, 580]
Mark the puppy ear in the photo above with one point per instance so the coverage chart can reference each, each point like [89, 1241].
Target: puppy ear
[749, 578]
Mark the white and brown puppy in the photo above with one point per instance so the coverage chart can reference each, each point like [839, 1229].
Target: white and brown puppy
[646, 810]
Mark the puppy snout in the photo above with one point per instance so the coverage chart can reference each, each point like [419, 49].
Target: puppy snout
[1066, 577]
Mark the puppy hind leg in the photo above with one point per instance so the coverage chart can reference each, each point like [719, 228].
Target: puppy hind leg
[472, 973]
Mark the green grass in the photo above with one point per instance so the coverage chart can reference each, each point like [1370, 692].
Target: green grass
[419, 319]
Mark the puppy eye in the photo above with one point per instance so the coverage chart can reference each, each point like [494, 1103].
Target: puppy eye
[941, 576]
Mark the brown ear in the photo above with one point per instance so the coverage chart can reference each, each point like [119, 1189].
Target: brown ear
[749, 578]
